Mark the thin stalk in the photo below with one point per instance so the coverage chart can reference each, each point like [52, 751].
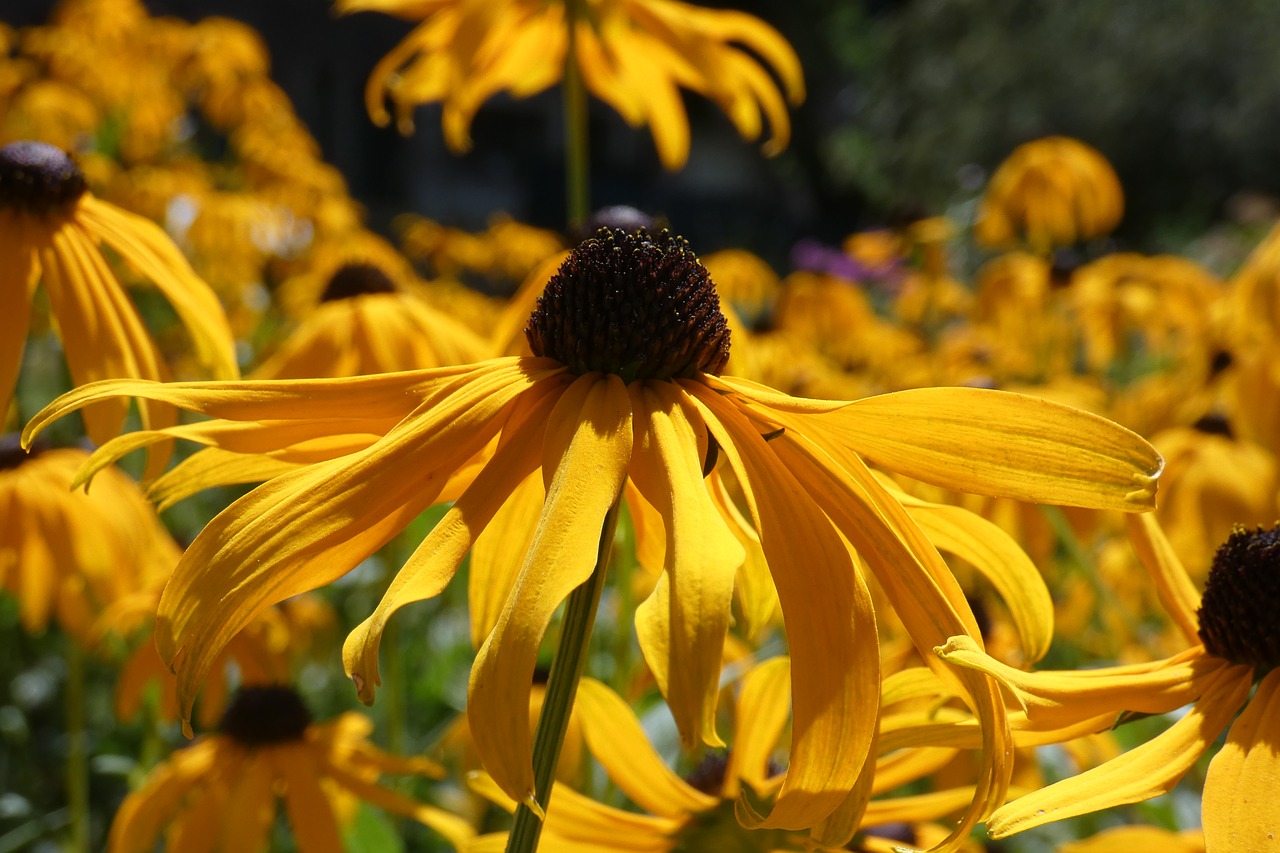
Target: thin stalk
[562, 686]
[576, 152]
[77, 753]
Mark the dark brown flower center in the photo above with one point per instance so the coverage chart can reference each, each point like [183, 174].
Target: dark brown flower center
[632, 303]
[1241, 597]
[261, 715]
[356, 280]
[1214, 424]
[38, 178]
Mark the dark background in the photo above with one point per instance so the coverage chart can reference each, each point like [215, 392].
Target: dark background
[910, 105]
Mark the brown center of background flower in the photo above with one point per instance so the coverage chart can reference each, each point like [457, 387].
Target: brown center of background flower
[632, 303]
[38, 178]
[356, 280]
[1238, 611]
[260, 715]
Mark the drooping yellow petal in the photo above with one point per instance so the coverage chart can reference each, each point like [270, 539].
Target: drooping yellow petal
[913, 576]
[1057, 700]
[435, 561]
[252, 801]
[144, 813]
[311, 817]
[702, 558]
[18, 276]
[1240, 809]
[499, 550]
[1003, 444]
[828, 618]
[211, 467]
[147, 248]
[586, 452]
[1141, 773]
[456, 830]
[618, 741]
[307, 528]
[757, 597]
[990, 550]
[1177, 593]
[762, 711]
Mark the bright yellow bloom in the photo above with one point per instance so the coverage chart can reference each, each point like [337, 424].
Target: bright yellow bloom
[71, 554]
[1126, 839]
[219, 794]
[1232, 644]
[622, 391]
[635, 55]
[51, 231]
[1051, 192]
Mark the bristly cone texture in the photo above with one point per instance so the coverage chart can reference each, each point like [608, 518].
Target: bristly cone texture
[1242, 597]
[263, 714]
[39, 178]
[632, 303]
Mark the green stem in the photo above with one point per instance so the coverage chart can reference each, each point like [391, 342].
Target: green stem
[576, 153]
[562, 686]
[77, 754]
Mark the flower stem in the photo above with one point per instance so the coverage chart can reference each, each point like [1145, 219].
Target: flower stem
[576, 153]
[562, 686]
[77, 756]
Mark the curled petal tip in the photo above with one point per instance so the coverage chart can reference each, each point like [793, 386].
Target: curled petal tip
[532, 802]
[187, 731]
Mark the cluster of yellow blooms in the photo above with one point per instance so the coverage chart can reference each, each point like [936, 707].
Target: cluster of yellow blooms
[848, 510]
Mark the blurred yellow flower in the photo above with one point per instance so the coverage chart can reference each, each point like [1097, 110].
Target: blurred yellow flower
[51, 231]
[635, 55]
[70, 554]
[1051, 192]
[219, 794]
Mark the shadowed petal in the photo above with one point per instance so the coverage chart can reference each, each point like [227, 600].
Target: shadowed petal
[685, 640]
[1177, 593]
[1240, 809]
[827, 614]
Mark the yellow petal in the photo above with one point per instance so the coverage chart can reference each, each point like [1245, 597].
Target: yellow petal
[455, 829]
[148, 249]
[498, 553]
[618, 741]
[702, 557]
[1177, 593]
[1240, 809]
[18, 277]
[212, 467]
[307, 528]
[311, 817]
[762, 711]
[434, 562]
[586, 452]
[1002, 444]
[829, 622]
[1058, 700]
[1141, 773]
[252, 801]
[990, 550]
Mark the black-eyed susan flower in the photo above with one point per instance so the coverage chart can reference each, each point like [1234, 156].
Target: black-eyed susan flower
[628, 340]
[220, 794]
[67, 554]
[51, 231]
[1050, 192]
[1232, 644]
[366, 324]
[635, 55]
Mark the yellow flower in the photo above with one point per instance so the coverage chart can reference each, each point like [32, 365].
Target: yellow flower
[365, 324]
[628, 340]
[1050, 192]
[219, 794]
[1125, 839]
[70, 554]
[635, 55]
[1232, 644]
[51, 230]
